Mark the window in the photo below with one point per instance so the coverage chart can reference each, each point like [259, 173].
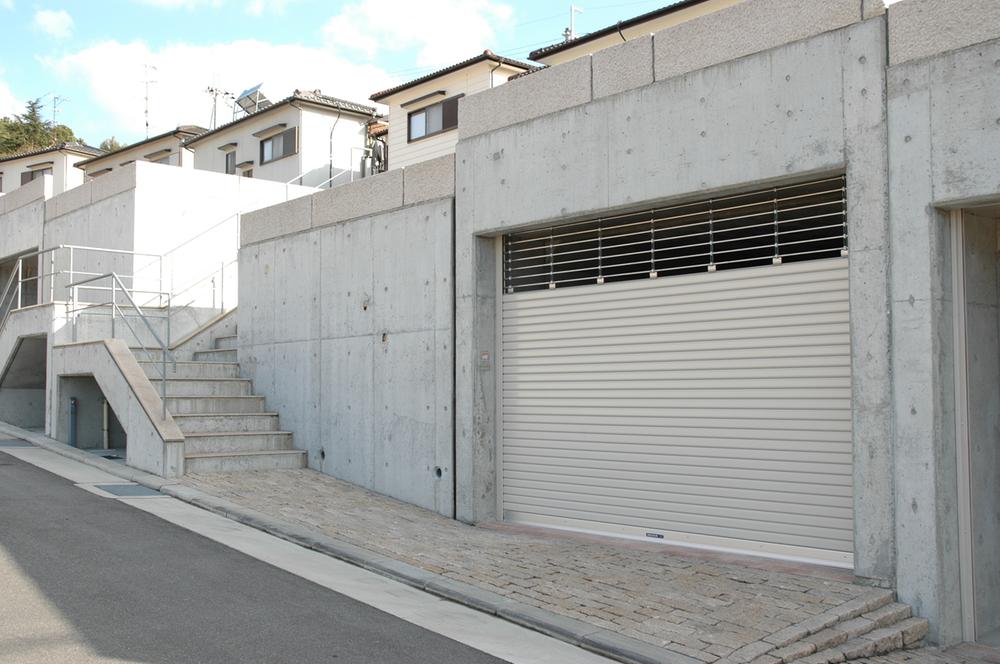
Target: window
[28, 176]
[433, 119]
[163, 160]
[278, 146]
[1, 183]
[231, 162]
[248, 173]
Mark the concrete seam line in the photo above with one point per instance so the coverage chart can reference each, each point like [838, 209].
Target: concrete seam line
[568, 630]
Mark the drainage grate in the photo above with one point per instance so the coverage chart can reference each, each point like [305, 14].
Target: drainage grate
[127, 490]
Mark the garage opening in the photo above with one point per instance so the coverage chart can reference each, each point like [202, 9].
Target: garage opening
[682, 374]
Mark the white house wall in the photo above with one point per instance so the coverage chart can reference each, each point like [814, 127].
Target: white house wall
[65, 175]
[348, 132]
[138, 153]
[468, 81]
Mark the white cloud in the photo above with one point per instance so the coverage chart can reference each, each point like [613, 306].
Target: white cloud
[441, 31]
[114, 74]
[9, 104]
[254, 7]
[55, 23]
[7, 4]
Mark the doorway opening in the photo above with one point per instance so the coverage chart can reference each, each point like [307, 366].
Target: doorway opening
[976, 257]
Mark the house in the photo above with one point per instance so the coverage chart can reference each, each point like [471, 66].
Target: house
[645, 24]
[165, 148]
[423, 113]
[58, 161]
[307, 138]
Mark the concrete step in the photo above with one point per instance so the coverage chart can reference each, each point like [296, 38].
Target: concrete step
[237, 441]
[193, 369]
[223, 422]
[216, 355]
[188, 404]
[226, 342]
[228, 462]
[208, 387]
[882, 627]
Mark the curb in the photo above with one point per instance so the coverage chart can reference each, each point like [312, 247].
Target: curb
[598, 640]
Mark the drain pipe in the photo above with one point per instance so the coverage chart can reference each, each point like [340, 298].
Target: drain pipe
[105, 434]
[332, 129]
[72, 421]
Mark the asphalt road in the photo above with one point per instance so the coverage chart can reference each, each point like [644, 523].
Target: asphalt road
[89, 579]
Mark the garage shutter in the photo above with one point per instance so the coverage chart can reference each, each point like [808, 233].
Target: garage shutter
[707, 408]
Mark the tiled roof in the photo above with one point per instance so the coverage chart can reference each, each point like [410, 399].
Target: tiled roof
[183, 132]
[485, 55]
[611, 29]
[72, 146]
[312, 97]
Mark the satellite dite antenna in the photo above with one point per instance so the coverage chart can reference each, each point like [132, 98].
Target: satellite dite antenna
[250, 101]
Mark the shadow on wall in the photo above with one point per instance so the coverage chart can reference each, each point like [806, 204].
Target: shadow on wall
[22, 385]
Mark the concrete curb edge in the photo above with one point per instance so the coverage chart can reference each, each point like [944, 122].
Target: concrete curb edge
[599, 640]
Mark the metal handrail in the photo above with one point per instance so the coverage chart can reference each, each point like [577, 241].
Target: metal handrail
[211, 275]
[116, 285]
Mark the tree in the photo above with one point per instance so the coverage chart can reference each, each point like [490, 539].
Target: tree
[111, 144]
[30, 131]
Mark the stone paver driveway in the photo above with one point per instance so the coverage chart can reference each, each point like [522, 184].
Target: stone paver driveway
[709, 607]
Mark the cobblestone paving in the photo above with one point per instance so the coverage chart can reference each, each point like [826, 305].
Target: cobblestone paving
[701, 605]
[964, 654]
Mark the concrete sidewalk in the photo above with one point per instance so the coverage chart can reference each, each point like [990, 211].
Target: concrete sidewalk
[696, 606]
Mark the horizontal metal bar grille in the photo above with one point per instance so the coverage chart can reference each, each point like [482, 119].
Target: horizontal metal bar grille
[785, 224]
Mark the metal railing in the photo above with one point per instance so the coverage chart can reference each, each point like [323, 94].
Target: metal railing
[118, 290]
[27, 285]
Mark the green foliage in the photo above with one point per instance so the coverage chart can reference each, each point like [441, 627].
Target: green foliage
[30, 131]
[111, 144]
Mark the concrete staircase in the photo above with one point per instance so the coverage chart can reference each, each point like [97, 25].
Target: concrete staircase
[226, 426]
[874, 624]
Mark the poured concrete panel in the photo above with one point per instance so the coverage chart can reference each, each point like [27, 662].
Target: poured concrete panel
[347, 331]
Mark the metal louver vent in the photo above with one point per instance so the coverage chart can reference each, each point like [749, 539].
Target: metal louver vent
[784, 224]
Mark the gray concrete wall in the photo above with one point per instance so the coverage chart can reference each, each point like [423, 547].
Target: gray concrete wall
[346, 327]
[23, 408]
[809, 107]
[944, 152]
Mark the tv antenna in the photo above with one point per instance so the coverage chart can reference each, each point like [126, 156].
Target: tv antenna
[570, 32]
[216, 93]
[56, 101]
[148, 81]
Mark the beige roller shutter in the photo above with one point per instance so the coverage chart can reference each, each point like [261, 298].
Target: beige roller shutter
[712, 409]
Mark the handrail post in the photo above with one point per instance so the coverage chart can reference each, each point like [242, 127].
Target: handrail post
[52, 276]
[71, 277]
[114, 301]
[20, 277]
[222, 286]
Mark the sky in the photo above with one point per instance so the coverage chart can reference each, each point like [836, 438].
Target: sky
[88, 60]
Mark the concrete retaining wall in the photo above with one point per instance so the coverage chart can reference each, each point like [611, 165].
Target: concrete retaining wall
[346, 327]
[944, 145]
[921, 28]
[808, 107]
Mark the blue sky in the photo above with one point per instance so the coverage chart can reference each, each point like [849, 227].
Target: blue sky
[92, 53]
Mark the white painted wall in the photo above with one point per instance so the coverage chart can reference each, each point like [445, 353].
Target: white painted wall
[179, 156]
[312, 158]
[470, 80]
[64, 174]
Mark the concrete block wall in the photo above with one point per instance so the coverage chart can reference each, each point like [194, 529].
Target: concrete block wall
[22, 213]
[749, 27]
[346, 327]
[922, 28]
